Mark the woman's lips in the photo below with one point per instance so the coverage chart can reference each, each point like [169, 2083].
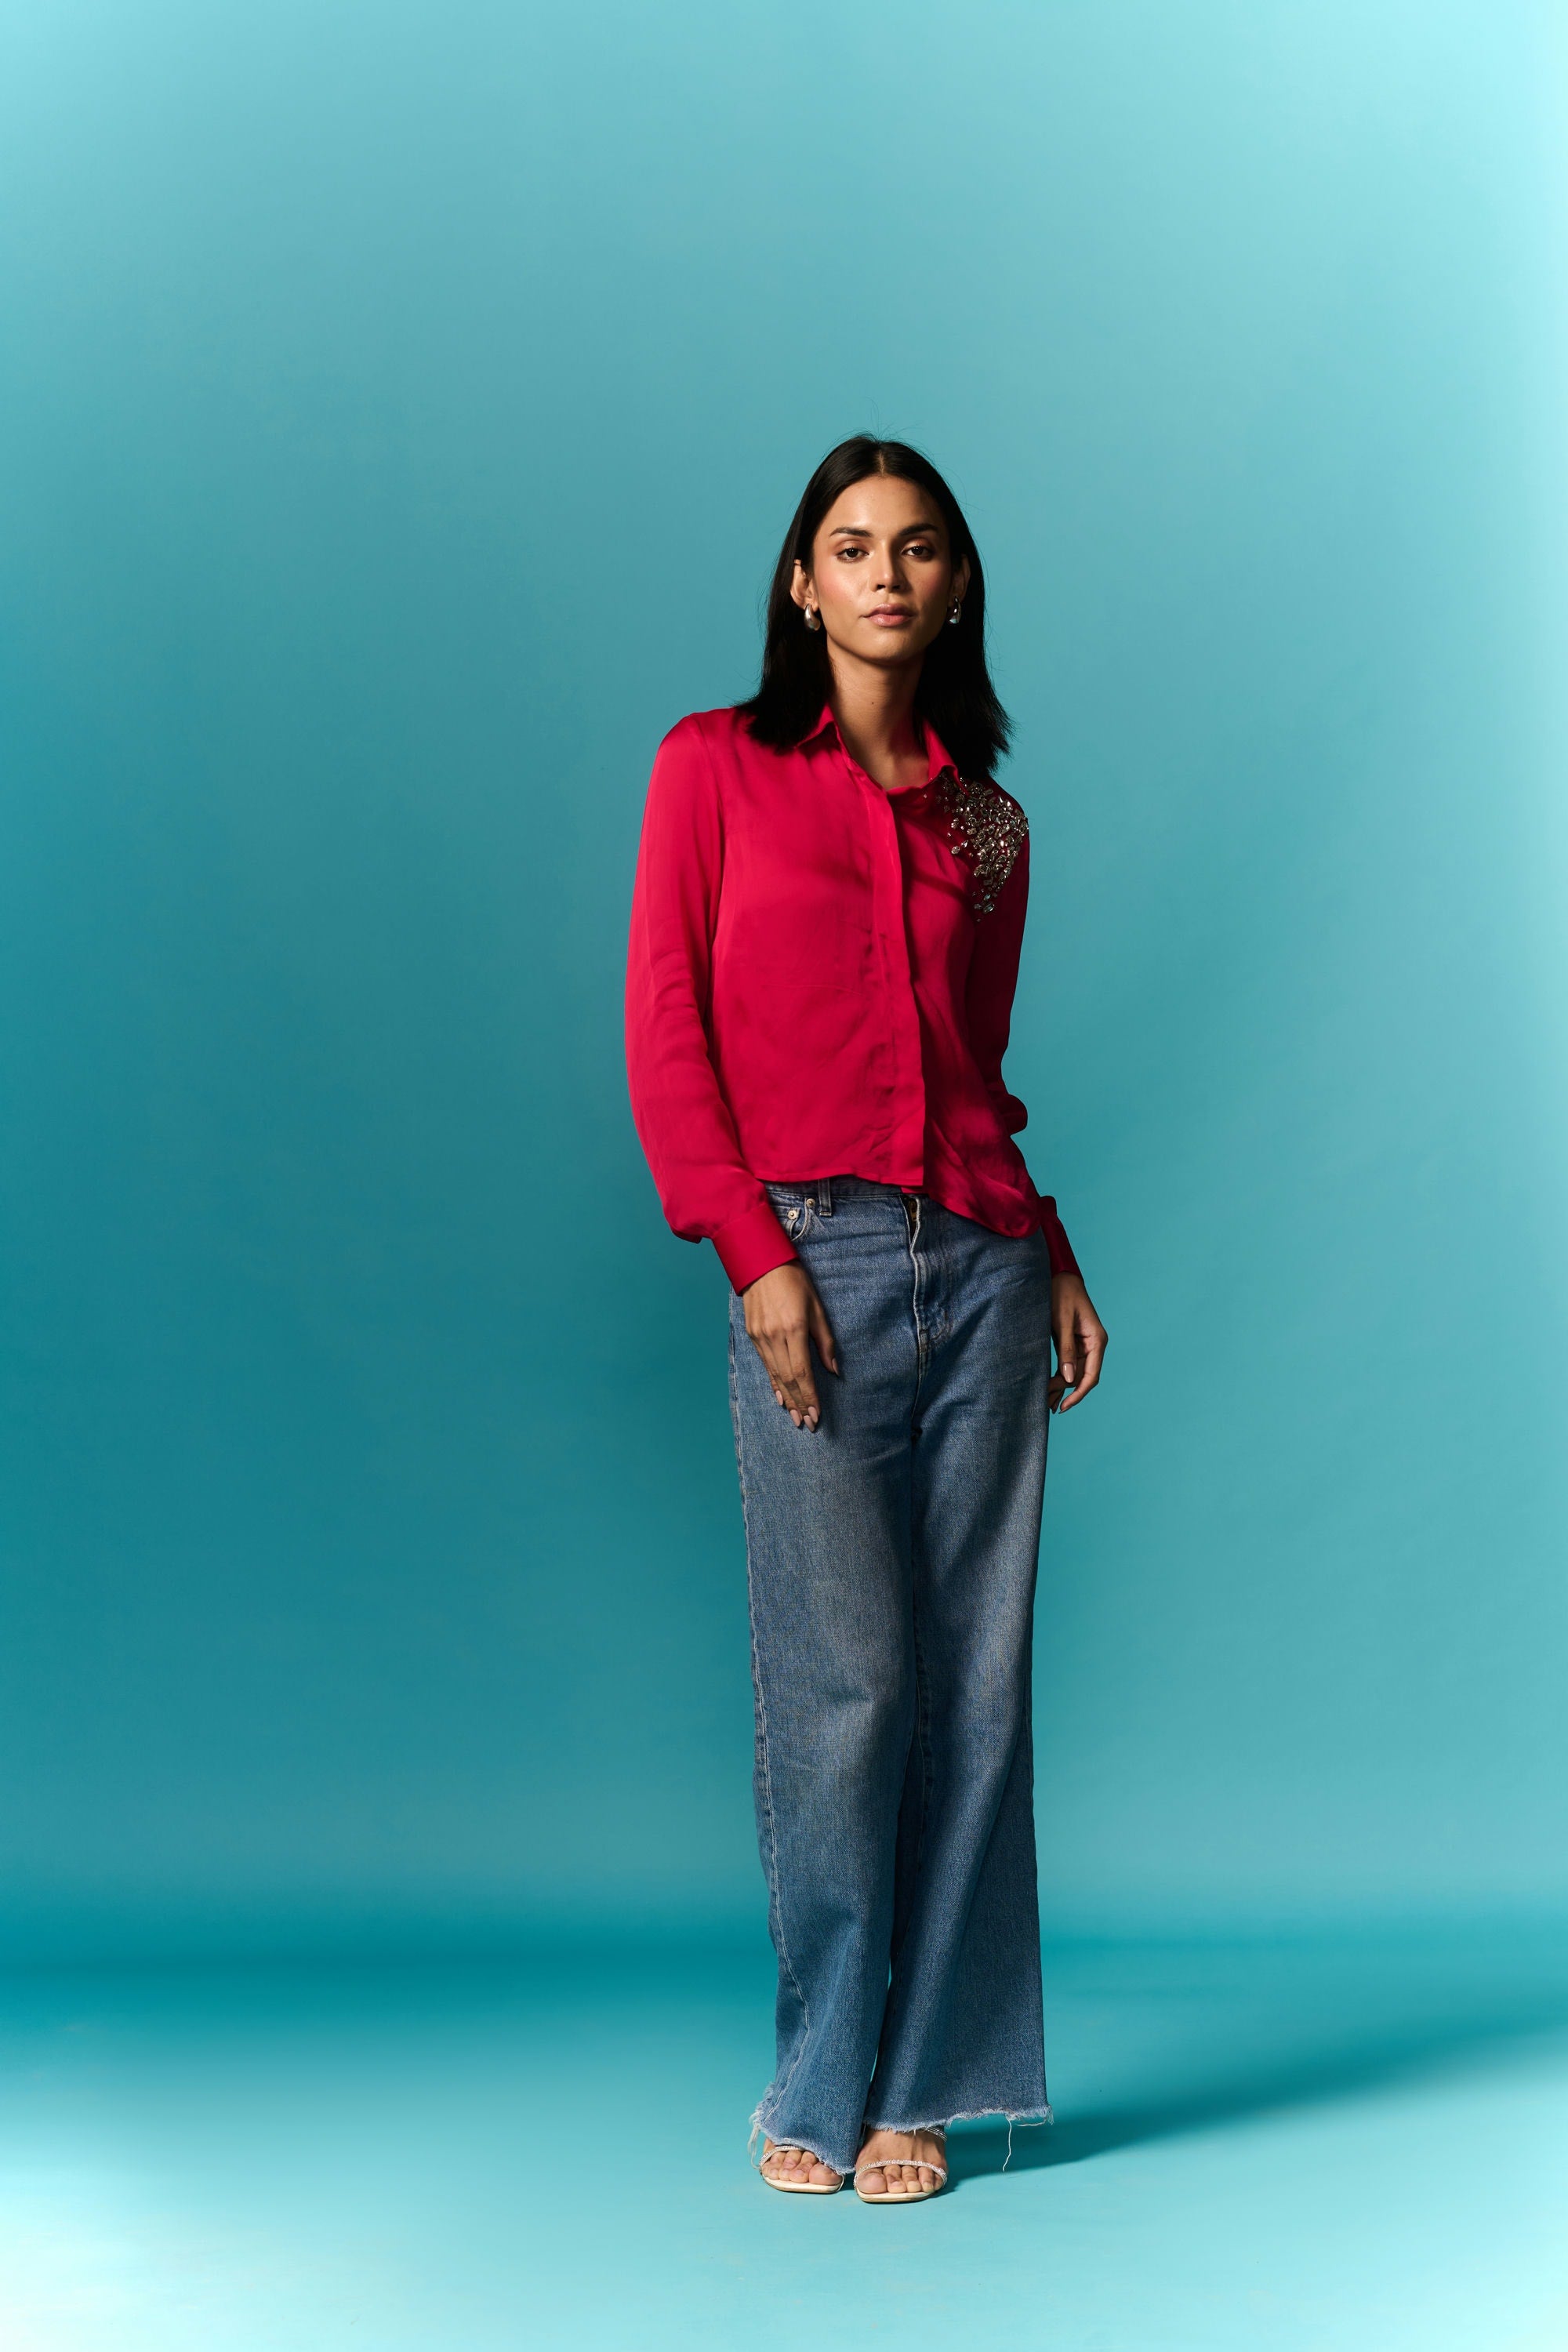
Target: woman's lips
[890, 617]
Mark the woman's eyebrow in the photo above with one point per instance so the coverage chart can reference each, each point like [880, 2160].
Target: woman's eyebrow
[863, 530]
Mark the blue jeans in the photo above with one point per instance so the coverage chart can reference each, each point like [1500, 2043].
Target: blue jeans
[891, 1558]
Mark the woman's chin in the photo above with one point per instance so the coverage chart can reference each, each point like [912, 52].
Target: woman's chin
[894, 646]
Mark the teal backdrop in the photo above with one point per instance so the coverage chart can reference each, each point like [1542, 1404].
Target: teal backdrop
[402, 406]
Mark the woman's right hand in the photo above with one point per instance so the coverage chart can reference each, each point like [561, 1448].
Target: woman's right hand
[784, 1315]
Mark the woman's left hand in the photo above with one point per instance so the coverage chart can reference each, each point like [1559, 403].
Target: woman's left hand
[1080, 1339]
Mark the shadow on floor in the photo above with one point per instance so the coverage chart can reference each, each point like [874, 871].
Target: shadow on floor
[1343, 2064]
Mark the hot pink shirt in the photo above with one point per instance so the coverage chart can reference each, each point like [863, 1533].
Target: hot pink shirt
[820, 983]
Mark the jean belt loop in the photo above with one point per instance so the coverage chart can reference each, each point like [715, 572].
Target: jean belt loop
[825, 1196]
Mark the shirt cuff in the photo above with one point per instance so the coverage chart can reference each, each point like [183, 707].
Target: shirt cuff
[753, 1243]
[1059, 1248]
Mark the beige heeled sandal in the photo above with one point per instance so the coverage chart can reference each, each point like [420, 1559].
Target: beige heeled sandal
[907, 2192]
[799, 2188]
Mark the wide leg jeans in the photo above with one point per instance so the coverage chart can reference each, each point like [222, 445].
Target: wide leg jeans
[891, 1560]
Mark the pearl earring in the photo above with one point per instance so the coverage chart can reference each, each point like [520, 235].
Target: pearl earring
[953, 612]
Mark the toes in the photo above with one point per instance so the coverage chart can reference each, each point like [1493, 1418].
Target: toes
[797, 2164]
[895, 2176]
[900, 2175]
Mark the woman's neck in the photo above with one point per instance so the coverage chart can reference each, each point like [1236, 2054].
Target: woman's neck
[875, 710]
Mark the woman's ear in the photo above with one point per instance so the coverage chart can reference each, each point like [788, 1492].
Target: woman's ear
[960, 578]
[800, 585]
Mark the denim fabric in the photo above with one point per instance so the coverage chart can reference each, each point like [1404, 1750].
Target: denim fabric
[892, 1560]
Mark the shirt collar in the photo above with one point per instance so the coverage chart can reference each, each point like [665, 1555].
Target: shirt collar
[938, 757]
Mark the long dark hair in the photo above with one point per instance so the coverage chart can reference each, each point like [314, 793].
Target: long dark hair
[954, 693]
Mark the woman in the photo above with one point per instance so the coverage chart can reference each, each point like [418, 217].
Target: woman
[825, 937]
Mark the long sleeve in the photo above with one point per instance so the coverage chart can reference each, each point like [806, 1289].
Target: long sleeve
[992, 980]
[683, 1119]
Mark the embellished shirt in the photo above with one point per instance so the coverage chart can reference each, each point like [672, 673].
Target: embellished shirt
[820, 982]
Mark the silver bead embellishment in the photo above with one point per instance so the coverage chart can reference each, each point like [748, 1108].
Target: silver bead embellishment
[986, 827]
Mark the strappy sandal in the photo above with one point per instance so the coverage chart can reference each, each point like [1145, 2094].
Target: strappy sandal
[799, 2188]
[907, 2192]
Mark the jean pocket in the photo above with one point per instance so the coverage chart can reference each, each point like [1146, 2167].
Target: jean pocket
[791, 1209]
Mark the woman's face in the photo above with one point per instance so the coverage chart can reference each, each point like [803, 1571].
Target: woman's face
[881, 574]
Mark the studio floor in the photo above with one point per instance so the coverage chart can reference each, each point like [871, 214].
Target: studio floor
[1267, 2147]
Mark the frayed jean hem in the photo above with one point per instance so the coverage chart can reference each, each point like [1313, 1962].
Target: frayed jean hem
[969, 2116]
